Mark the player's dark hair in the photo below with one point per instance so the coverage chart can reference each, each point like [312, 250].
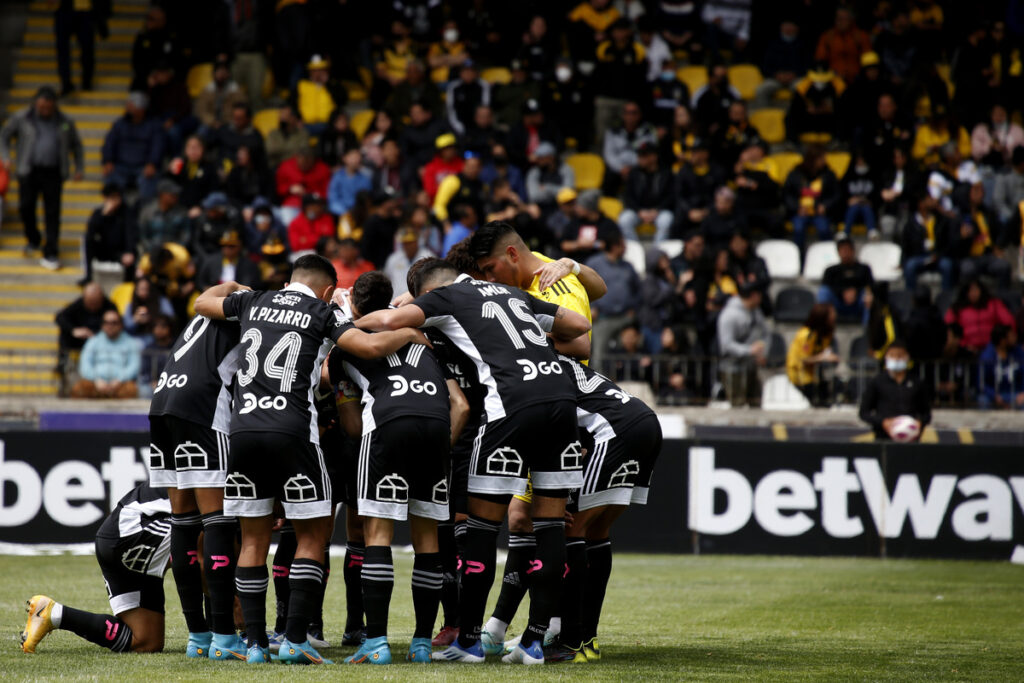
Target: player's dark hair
[489, 237]
[315, 265]
[459, 256]
[411, 277]
[371, 292]
[434, 270]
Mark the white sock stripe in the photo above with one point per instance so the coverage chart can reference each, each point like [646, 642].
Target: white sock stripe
[186, 520]
[252, 582]
[219, 519]
[581, 541]
[429, 576]
[305, 574]
[538, 526]
[602, 544]
[428, 586]
[473, 523]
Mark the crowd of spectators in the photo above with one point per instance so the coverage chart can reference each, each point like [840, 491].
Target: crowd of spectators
[924, 95]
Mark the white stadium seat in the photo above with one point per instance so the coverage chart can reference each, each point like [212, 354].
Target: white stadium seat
[884, 260]
[782, 258]
[780, 394]
[636, 257]
[820, 256]
[671, 248]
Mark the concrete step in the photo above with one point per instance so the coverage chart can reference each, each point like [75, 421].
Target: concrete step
[28, 345]
[109, 111]
[120, 8]
[49, 66]
[78, 186]
[66, 210]
[117, 25]
[90, 98]
[22, 317]
[101, 80]
[68, 227]
[82, 205]
[68, 274]
[40, 361]
[102, 53]
[66, 252]
[14, 304]
[35, 288]
[10, 240]
[43, 37]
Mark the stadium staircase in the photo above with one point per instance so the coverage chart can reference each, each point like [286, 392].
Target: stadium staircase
[30, 295]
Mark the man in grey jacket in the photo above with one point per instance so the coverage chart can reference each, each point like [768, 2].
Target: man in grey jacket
[46, 141]
[743, 345]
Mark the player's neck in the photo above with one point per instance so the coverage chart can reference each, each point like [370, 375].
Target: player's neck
[529, 265]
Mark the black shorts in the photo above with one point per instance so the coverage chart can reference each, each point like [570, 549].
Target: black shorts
[619, 469]
[340, 454]
[127, 588]
[402, 469]
[264, 467]
[539, 440]
[186, 455]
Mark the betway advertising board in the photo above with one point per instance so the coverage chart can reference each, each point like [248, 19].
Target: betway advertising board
[768, 497]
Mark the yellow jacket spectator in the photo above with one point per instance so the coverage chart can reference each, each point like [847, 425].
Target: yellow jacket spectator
[811, 347]
[933, 134]
[317, 96]
[448, 54]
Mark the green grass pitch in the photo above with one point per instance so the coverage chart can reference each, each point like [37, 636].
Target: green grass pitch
[666, 617]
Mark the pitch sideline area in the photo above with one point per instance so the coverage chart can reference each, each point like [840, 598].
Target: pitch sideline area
[666, 617]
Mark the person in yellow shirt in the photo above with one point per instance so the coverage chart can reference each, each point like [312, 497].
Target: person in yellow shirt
[447, 55]
[935, 133]
[502, 256]
[810, 348]
[317, 96]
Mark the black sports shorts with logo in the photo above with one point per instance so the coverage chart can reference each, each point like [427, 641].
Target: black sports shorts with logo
[124, 563]
[186, 455]
[618, 470]
[268, 466]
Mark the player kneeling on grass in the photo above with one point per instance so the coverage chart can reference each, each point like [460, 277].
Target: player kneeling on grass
[407, 399]
[133, 546]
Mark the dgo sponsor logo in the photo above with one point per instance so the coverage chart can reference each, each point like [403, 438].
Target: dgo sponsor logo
[786, 502]
[73, 493]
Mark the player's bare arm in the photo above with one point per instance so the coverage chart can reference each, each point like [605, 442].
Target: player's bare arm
[568, 325]
[350, 418]
[211, 302]
[552, 272]
[578, 348]
[364, 345]
[409, 315]
[459, 409]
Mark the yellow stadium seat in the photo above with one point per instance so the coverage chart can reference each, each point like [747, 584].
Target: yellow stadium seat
[266, 120]
[122, 295]
[589, 170]
[198, 77]
[695, 77]
[268, 84]
[770, 123]
[784, 163]
[496, 74]
[360, 122]
[745, 78]
[356, 91]
[610, 206]
[838, 162]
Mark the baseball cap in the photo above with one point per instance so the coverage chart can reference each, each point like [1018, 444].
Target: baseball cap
[566, 195]
[444, 140]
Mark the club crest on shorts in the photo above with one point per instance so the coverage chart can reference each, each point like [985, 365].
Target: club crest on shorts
[505, 462]
[190, 456]
[156, 457]
[392, 489]
[440, 493]
[572, 457]
[136, 558]
[624, 475]
[239, 487]
[299, 489]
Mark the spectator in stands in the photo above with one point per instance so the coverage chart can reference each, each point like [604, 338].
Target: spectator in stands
[811, 194]
[728, 25]
[977, 312]
[547, 178]
[382, 129]
[591, 231]
[346, 182]
[446, 162]
[757, 194]
[657, 300]
[860, 192]
[350, 264]
[955, 378]
[501, 168]
[844, 284]
[993, 141]
[217, 219]
[510, 99]
[134, 148]
[568, 99]
[896, 183]
[289, 137]
[811, 351]
[47, 140]
[1009, 187]
[681, 26]
[464, 95]
[749, 268]
[240, 133]
[723, 221]
[163, 219]
[416, 88]
[722, 286]
[170, 104]
[82, 20]
[312, 223]
[936, 132]
[146, 303]
[171, 269]
[924, 244]
[667, 93]
[813, 114]
[481, 134]
[656, 49]
[418, 139]
[155, 354]
[558, 221]
[974, 76]
[897, 48]
[1002, 371]
[464, 187]
[298, 177]
[894, 393]
[925, 331]
[392, 63]
[109, 364]
[196, 177]
[975, 251]
[215, 100]
[525, 136]
[860, 99]
[408, 252]
[589, 24]
[388, 178]
[539, 48]
[154, 44]
[110, 234]
[736, 136]
[743, 345]
[648, 196]
[446, 55]
[842, 46]
[696, 183]
[246, 181]
[785, 61]
[464, 223]
[318, 96]
[712, 100]
[264, 228]
[232, 266]
[617, 308]
[949, 180]
[82, 318]
[879, 136]
[621, 144]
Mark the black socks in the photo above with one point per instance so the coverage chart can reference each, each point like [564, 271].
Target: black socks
[219, 560]
[521, 550]
[283, 558]
[305, 580]
[353, 573]
[251, 584]
[378, 580]
[599, 569]
[573, 586]
[188, 574]
[545, 575]
[449, 558]
[427, 581]
[102, 629]
[477, 576]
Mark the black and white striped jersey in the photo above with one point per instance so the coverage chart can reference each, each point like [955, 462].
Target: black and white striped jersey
[140, 527]
[460, 368]
[602, 408]
[409, 382]
[503, 331]
[285, 337]
[195, 383]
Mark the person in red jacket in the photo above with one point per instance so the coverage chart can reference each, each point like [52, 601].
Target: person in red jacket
[311, 224]
[445, 163]
[297, 177]
[978, 312]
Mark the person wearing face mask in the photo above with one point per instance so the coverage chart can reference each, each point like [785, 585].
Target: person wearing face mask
[263, 228]
[667, 93]
[785, 61]
[894, 393]
[445, 56]
[813, 114]
[309, 226]
[568, 100]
